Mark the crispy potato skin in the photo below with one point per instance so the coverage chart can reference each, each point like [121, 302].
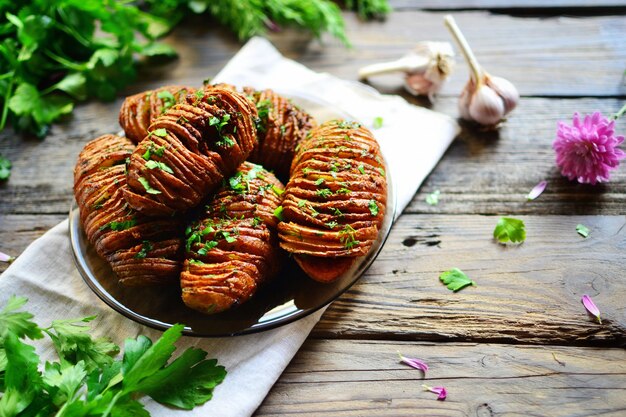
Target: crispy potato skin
[193, 147]
[281, 127]
[141, 250]
[139, 111]
[233, 248]
[335, 200]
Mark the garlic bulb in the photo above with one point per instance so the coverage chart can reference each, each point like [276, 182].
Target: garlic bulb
[426, 67]
[486, 99]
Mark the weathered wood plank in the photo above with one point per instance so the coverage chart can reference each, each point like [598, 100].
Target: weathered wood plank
[482, 172]
[525, 294]
[18, 231]
[538, 5]
[356, 377]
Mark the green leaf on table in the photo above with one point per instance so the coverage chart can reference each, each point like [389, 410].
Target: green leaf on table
[74, 344]
[5, 168]
[22, 380]
[582, 230]
[455, 279]
[433, 198]
[378, 122]
[510, 229]
[18, 322]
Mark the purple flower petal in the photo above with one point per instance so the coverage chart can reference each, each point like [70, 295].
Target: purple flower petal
[591, 307]
[440, 391]
[6, 258]
[415, 363]
[537, 190]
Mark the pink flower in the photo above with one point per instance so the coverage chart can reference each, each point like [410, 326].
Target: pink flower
[441, 391]
[415, 363]
[591, 307]
[587, 150]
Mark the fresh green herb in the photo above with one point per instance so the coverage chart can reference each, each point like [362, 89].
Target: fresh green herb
[582, 230]
[510, 229]
[263, 108]
[347, 236]
[168, 100]
[433, 198]
[324, 193]
[361, 169]
[237, 184]
[382, 172]
[373, 208]
[306, 171]
[455, 279]
[368, 9]
[378, 122]
[331, 224]
[337, 212]
[277, 190]
[152, 149]
[158, 132]
[147, 186]
[219, 125]
[301, 203]
[283, 129]
[278, 213]
[146, 247]
[196, 262]
[319, 181]
[160, 165]
[256, 221]
[5, 168]
[207, 247]
[88, 379]
[343, 190]
[119, 226]
[227, 237]
[314, 213]
[343, 124]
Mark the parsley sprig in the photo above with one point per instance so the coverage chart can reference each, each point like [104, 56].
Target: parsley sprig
[88, 379]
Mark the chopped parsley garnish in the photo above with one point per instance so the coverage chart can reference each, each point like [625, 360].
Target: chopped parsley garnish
[160, 165]
[382, 172]
[433, 198]
[219, 125]
[278, 213]
[158, 132]
[301, 203]
[227, 237]
[282, 130]
[146, 247]
[319, 181]
[277, 190]
[362, 169]
[168, 100]
[147, 186]
[199, 95]
[378, 122]
[237, 184]
[119, 226]
[331, 224]
[347, 236]
[196, 262]
[337, 212]
[582, 230]
[324, 193]
[343, 124]
[256, 221]
[152, 149]
[207, 247]
[343, 190]
[373, 207]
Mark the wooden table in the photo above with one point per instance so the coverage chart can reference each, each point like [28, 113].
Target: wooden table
[520, 343]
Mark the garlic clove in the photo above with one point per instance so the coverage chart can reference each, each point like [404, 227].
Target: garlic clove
[464, 100]
[486, 107]
[505, 89]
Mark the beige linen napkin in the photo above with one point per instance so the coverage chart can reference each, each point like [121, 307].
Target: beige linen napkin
[413, 140]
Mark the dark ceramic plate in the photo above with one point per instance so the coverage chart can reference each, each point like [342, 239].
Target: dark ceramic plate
[291, 296]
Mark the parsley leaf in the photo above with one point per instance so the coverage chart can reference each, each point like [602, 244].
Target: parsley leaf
[455, 279]
[5, 168]
[582, 230]
[373, 207]
[278, 213]
[160, 165]
[147, 186]
[378, 122]
[19, 323]
[433, 198]
[510, 229]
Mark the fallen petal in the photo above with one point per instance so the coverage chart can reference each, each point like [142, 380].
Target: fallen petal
[537, 190]
[6, 258]
[591, 307]
[440, 391]
[415, 363]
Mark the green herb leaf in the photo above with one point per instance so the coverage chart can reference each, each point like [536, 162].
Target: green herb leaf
[378, 122]
[146, 247]
[510, 229]
[373, 207]
[433, 198]
[582, 230]
[160, 165]
[5, 168]
[147, 186]
[159, 132]
[18, 322]
[455, 279]
[278, 213]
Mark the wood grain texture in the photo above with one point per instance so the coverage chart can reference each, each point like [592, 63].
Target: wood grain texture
[18, 231]
[482, 172]
[356, 378]
[528, 293]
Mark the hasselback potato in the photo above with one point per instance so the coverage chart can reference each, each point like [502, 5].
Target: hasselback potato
[189, 150]
[140, 110]
[141, 250]
[233, 248]
[334, 202]
[281, 126]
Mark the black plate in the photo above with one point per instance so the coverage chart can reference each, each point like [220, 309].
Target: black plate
[291, 296]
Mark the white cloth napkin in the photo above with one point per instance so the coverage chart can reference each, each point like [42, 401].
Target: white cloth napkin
[413, 140]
